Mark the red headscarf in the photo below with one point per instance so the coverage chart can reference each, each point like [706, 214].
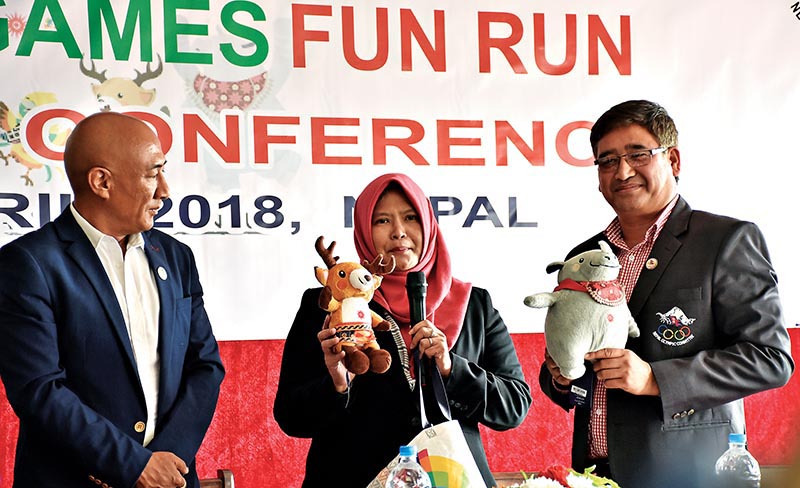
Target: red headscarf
[447, 297]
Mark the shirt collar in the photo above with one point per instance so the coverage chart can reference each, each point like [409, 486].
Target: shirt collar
[614, 229]
[96, 237]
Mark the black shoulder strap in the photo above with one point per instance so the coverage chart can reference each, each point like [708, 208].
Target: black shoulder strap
[433, 404]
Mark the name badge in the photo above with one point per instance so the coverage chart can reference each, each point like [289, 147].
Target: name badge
[580, 391]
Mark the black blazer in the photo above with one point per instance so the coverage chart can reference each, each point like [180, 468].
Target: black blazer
[731, 343]
[364, 430]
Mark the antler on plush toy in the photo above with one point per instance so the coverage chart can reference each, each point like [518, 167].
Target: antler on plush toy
[348, 289]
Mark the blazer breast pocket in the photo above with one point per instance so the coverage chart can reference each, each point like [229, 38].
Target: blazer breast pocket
[689, 294]
[688, 301]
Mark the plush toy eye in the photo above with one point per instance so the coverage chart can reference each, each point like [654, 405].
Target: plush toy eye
[342, 274]
[581, 260]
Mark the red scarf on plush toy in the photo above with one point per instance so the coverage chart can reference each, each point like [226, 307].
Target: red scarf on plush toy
[447, 297]
[604, 292]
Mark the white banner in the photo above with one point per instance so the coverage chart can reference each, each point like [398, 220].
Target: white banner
[274, 115]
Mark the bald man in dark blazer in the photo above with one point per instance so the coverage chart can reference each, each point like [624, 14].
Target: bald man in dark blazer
[106, 352]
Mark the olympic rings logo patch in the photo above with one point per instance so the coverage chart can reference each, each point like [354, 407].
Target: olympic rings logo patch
[674, 329]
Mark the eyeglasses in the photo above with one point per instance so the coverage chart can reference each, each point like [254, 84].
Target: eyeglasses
[635, 159]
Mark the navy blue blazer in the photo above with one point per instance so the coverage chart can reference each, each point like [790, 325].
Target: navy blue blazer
[68, 367]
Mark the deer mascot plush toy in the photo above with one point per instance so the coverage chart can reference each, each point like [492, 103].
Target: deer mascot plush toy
[587, 310]
[348, 289]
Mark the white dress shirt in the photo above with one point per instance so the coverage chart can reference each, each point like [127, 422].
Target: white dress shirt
[137, 295]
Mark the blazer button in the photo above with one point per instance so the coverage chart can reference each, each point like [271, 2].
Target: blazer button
[676, 416]
[691, 411]
[139, 426]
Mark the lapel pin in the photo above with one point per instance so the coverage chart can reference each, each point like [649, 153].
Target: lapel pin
[162, 273]
[651, 263]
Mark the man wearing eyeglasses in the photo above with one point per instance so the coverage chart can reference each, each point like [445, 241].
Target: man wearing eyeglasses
[704, 295]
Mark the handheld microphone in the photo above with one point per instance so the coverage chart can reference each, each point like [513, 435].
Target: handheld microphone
[416, 287]
[432, 396]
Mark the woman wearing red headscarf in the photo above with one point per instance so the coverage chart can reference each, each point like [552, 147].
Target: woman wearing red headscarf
[357, 423]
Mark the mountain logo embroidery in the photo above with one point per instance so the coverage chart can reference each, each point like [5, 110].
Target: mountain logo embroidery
[674, 330]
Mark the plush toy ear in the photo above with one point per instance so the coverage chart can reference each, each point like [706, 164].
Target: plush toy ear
[554, 266]
[321, 274]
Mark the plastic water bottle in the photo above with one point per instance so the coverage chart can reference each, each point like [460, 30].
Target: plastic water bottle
[737, 468]
[408, 473]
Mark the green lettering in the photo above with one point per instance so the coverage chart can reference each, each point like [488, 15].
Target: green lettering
[172, 29]
[245, 32]
[61, 33]
[100, 12]
[3, 29]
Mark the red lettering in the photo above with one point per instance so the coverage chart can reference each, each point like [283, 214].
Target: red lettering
[194, 127]
[381, 38]
[380, 142]
[562, 143]
[620, 57]
[299, 33]
[262, 139]
[34, 131]
[409, 27]
[160, 126]
[319, 140]
[445, 142]
[597, 34]
[539, 46]
[405, 135]
[504, 45]
[534, 153]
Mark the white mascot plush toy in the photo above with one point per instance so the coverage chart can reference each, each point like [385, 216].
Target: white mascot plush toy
[587, 311]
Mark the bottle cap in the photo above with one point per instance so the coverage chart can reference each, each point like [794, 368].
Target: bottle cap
[408, 451]
[737, 438]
